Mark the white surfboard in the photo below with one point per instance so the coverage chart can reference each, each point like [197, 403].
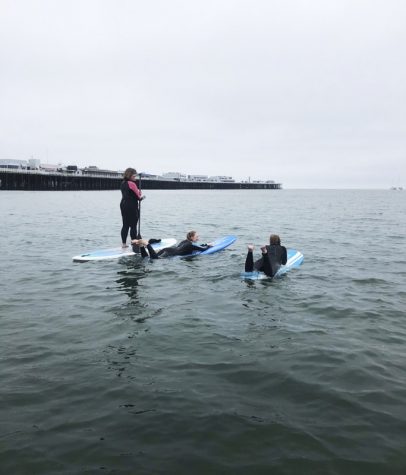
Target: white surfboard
[117, 252]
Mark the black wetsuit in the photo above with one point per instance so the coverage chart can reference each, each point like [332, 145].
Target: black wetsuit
[270, 262]
[184, 248]
[129, 207]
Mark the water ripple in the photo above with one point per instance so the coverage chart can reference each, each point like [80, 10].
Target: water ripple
[178, 366]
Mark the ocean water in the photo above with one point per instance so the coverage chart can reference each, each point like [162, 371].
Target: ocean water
[179, 366]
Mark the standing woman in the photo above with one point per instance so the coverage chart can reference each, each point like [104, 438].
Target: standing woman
[129, 205]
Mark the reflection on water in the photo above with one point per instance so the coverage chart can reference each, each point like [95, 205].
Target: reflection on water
[129, 278]
[130, 281]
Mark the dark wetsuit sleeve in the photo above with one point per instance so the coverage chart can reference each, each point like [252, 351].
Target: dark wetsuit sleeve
[143, 251]
[187, 247]
[152, 253]
[284, 257]
[199, 248]
[249, 262]
[267, 265]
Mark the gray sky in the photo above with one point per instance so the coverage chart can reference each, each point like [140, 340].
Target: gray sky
[307, 93]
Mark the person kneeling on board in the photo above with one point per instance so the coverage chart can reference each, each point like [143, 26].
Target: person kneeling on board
[273, 256]
[184, 248]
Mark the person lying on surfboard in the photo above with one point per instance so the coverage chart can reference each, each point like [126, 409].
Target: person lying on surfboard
[273, 256]
[184, 248]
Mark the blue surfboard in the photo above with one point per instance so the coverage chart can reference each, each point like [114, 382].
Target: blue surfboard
[117, 252]
[218, 245]
[295, 259]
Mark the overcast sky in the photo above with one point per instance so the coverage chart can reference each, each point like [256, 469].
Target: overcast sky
[307, 93]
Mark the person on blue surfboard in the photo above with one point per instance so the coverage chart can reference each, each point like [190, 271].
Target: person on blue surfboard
[184, 248]
[273, 256]
[129, 205]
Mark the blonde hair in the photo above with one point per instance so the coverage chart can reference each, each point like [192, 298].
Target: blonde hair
[190, 235]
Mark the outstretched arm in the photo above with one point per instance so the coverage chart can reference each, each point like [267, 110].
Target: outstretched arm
[203, 247]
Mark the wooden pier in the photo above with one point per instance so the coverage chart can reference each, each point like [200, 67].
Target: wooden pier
[37, 181]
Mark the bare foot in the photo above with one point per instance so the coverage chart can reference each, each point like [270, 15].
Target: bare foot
[124, 245]
[250, 247]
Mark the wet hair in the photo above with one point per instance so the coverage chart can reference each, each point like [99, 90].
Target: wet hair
[275, 240]
[190, 235]
[129, 173]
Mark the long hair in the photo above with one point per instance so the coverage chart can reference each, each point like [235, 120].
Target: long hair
[275, 240]
[129, 173]
[190, 235]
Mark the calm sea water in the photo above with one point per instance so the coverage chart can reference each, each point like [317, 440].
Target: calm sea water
[175, 366]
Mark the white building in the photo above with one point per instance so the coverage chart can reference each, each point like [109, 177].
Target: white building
[222, 179]
[14, 164]
[95, 171]
[47, 167]
[198, 177]
[34, 163]
[174, 176]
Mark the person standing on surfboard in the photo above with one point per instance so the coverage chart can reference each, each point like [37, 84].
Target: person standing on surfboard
[184, 248]
[129, 205]
[273, 256]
